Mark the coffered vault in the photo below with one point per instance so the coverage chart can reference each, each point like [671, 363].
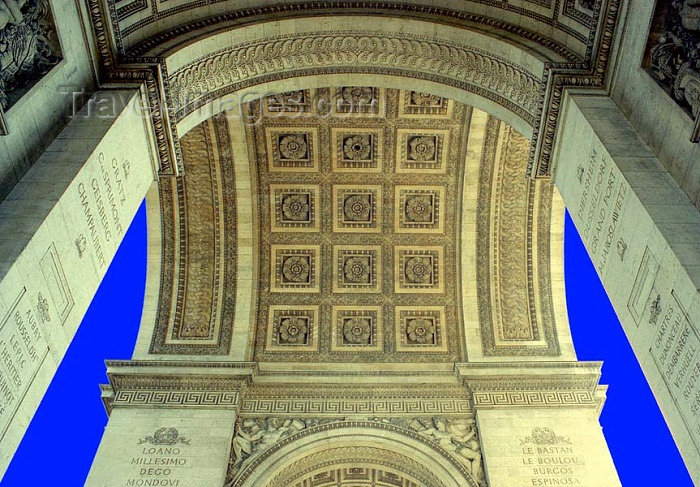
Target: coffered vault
[385, 230]
[355, 247]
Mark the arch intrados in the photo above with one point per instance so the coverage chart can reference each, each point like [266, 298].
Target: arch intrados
[313, 441]
[219, 105]
[202, 43]
[208, 53]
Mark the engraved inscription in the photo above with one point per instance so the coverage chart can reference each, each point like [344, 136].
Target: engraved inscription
[602, 202]
[22, 350]
[160, 459]
[101, 200]
[676, 353]
[550, 459]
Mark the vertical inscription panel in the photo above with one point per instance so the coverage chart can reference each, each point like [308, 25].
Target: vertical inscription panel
[676, 353]
[173, 447]
[641, 235]
[545, 447]
[22, 351]
[50, 277]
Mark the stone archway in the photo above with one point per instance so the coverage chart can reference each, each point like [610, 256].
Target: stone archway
[356, 450]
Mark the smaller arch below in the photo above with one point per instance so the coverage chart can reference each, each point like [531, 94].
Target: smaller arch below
[361, 451]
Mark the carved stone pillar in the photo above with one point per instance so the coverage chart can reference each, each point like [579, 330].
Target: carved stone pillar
[170, 423]
[643, 236]
[538, 423]
[59, 229]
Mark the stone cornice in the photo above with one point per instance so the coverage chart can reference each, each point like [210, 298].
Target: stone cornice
[237, 386]
[544, 384]
[175, 384]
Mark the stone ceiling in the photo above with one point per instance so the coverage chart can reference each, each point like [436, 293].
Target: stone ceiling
[359, 228]
[385, 226]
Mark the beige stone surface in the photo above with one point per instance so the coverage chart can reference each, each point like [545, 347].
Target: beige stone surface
[395, 401]
[662, 124]
[543, 447]
[37, 118]
[174, 447]
[643, 236]
[59, 229]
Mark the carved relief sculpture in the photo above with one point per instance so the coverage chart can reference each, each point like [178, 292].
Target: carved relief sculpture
[29, 46]
[456, 438]
[673, 56]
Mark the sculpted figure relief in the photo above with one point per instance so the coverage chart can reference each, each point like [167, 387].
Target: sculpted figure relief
[687, 87]
[457, 436]
[28, 44]
[674, 51]
[254, 436]
[690, 14]
[11, 12]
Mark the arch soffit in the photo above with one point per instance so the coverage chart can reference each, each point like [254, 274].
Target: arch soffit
[485, 71]
[292, 457]
[169, 282]
[561, 30]
[575, 45]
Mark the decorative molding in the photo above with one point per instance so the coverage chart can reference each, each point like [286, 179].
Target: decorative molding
[532, 385]
[403, 10]
[561, 76]
[351, 406]
[324, 400]
[130, 9]
[156, 94]
[582, 11]
[196, 310]
[277, 433]
[196, 391]
[487, 399]
[194, 399]
[229, 70]
[588, 70]
[513, 212]
[336, 473]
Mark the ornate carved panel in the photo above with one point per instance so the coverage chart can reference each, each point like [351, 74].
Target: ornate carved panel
[199, 253]
[295, 268]
[379, 263]
[420, 329]
[357, 265]
[419, 209]
[673, 52]
[420, 104]
[357, 148]
[294, 208]
[30, 47]
[513, 228]
[357, 208]
[357, 328]
[453, 440]
[292, 150]
[293, 328]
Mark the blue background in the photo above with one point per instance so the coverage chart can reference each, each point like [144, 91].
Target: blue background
[62, 439]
